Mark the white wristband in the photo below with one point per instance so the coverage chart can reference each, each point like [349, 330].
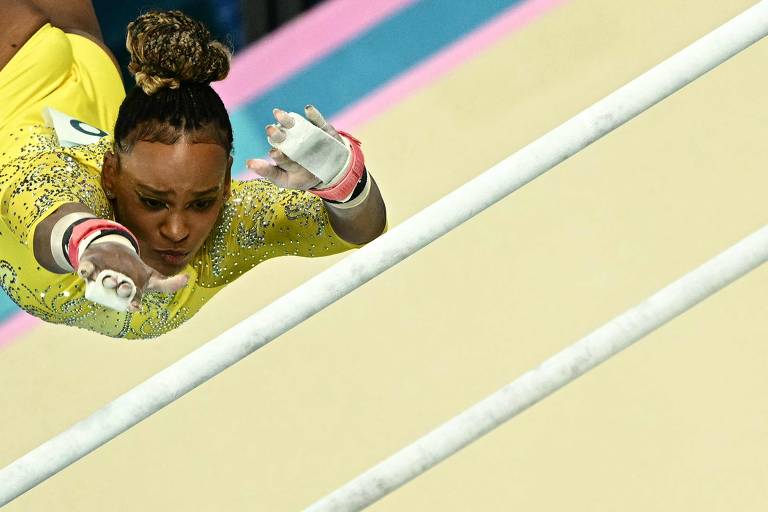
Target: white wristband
[360, 199]
[57, 235]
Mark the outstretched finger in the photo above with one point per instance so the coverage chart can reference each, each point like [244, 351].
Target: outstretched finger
[87, 270]
[128, 290]
[283, 162]
[275, 134]
[317, 119]
[160, 283]
[279, 158]
[266, 170]
[109, 282]
[125, 289]
[135, 304]
[282, 117]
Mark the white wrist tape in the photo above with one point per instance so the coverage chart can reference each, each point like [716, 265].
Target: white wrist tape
[57, 235]
[95, 290]
[315, 150]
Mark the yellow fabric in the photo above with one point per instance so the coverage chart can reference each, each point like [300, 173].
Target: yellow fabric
[75, 76]
[65, 71]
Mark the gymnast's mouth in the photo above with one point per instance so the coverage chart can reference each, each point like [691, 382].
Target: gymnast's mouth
[173, 257]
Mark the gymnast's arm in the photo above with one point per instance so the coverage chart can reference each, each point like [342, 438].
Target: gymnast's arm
[357, 218]
[362, 223]
[42, 237]
[103, 256]
[21, 18]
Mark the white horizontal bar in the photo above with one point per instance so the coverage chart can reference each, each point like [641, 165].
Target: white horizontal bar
[384, 252]
[550, 376]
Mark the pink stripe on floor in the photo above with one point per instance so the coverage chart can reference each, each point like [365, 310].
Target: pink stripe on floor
[14, 327]
[442, 62]
[299, 43]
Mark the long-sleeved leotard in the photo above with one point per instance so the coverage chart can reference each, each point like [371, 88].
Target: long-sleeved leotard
[38, 174]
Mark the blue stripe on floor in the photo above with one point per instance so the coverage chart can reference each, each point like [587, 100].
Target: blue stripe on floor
[362, 65]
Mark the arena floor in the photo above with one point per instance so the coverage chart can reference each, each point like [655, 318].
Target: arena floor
[678, 422]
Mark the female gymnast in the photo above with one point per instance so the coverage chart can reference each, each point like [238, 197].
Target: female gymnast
[119, 214]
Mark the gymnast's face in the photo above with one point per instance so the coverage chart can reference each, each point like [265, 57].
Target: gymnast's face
[169, 196]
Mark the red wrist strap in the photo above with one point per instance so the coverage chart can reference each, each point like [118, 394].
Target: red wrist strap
[89, 227]
[344, 188]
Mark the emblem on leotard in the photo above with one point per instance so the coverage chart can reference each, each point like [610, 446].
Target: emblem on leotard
[70, 131]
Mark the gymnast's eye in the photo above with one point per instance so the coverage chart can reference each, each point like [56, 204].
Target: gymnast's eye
[202, 204]
[152, 204]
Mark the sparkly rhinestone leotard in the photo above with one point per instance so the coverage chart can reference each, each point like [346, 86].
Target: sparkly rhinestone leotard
[37, 175]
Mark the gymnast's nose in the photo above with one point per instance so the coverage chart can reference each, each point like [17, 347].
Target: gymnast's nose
[175, 228]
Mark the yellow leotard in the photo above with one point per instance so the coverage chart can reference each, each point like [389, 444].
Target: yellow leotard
[37, 175]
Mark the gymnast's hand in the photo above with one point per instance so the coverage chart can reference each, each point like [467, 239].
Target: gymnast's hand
[284, 172]
[118, 258]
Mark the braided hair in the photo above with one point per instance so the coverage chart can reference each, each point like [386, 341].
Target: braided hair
[174, 60]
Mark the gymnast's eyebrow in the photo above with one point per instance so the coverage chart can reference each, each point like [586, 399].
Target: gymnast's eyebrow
[166, 193]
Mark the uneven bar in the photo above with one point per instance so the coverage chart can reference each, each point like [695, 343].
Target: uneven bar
[383, 253]
[551, 375]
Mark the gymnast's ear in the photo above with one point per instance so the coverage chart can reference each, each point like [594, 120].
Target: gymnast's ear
[109, 170]
[228, 179]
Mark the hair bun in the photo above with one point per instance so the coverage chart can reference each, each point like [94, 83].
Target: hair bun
[169, 48]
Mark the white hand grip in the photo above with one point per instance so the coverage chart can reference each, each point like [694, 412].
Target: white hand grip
[96, 291]
[315, 150]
